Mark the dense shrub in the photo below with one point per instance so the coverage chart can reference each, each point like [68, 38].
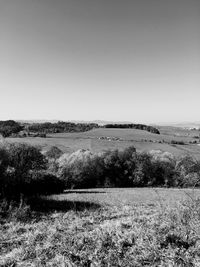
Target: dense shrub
[24, 170]
[24, 158]
[9, 127]
[60, 127]
[127, 168]
[143, 175]
[175, 142]
[119, 167]
[83, 169]
[23, 173]
[78, 169]
[188, 169]
[134, 126]
[54, 153]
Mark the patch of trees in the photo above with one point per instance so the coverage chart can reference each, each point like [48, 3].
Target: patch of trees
[9, 127]
[127, 169]
[60, 127]
[133, 126]
[24, 173]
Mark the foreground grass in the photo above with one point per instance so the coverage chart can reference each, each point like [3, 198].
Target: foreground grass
[113, 227]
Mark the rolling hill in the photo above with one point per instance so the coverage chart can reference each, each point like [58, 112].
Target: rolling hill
[102, 139]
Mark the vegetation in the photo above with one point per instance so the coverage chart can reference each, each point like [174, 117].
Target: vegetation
[7, 128]
[12, 128]
[102, 227]
[134, 126]
[60, 127]
[54, 153]
[127, 227]
[127, 168]
[63, 127]
[115, 138]
[174, 142]
[23, 172]
[26, 172]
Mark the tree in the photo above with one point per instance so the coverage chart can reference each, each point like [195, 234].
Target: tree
[9, 127]
[143, 170]
[24, 160]
[188, 169]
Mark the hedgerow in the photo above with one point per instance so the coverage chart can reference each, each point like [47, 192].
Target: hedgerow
[25, 171]
[128, 168]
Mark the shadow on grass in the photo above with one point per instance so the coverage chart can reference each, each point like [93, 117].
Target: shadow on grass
[52, 205]
[83, 192]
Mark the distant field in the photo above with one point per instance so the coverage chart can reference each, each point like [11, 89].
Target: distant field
[142, 140]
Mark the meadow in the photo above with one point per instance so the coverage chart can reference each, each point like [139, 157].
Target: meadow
[105, 227]
[102, 226]
[142, 140]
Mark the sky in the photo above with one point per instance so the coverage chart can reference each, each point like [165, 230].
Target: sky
[117, 60]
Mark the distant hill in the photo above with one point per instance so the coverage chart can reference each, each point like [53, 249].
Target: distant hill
[100, 122]
[187, 125]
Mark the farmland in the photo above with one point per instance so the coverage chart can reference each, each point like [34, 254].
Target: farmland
[106, 227]
[47, 220]
[142, 140]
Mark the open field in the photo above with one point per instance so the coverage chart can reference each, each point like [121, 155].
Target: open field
[106, 227]
[142, 140]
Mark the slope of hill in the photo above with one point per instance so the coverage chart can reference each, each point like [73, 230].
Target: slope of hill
[102, 139]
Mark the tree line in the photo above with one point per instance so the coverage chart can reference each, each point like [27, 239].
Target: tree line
[61, 127]
[134, 126]
[12, 128]
[26, 172]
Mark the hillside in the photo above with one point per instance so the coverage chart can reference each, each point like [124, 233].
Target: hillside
[101, 139]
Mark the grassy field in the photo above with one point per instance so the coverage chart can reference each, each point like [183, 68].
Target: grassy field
[106, 227]
[142, 140]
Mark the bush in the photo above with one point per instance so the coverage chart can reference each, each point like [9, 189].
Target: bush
[119, 167]
[188, 169]
[23, 172]
[78, 169]
[143, 172]
[174, 142]
[83, 169]
[54, 153]
[9, 127]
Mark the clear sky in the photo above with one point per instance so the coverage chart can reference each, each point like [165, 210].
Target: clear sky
[133, 60]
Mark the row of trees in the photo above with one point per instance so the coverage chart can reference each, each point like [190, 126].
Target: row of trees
[25, 171]
[134, 126]
[11, 128]
[60, 127]
[127, 168]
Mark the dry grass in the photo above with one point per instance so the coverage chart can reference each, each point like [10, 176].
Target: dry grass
[114, 227]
